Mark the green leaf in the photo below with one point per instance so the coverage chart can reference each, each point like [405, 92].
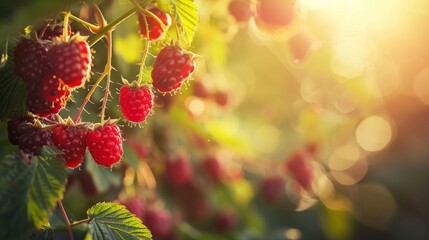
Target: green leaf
[28, 193]
[186, 14]
[103, 177]
[43, 234]
[114, 221]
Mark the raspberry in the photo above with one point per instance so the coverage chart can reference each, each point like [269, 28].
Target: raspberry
[12, 128]
[52, 88]
[105, 145]
[71, 140]
[135, 102]
[30, 60]
[54, 31]
[222, 98]
[200, 90]
[87, 184]
[140, 149]
[172, 66]
[178, 171]
[71, 61]
[300, 169]
[241, 10]
[156, 31]
[159, 222]
[136, 206]
[213, 169]
[41, 107]
[33, 137]
[194, 203]
[300, 47]
[272, 188]
[225, 221]
[273, 14]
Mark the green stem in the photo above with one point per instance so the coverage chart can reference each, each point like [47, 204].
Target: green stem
[108, 65]
[91, 26]
[80, 222]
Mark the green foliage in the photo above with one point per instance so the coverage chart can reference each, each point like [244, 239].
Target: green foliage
[114, 221]
[28, 193]
[186, 14]
[12, 89]
[103, 177]
[43, 234]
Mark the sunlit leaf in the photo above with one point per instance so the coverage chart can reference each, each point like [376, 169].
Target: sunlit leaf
[186, 14]
[114, 221]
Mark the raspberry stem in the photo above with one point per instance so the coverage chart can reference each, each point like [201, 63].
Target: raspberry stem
[142, 64]
[108, 66]
[66, 26]
[66, 218]
[91, 26]
[111, 26]
[75, 223]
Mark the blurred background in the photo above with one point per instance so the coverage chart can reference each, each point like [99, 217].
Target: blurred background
[340, 85]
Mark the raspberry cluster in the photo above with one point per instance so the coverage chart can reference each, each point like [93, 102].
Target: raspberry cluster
[104, 142]
[51, 67]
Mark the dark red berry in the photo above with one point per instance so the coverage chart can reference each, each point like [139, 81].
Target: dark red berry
[213, 168]
[156, 31]
[225, 221]
[12, 128]
[34, 138]
[222, 98]
[31, 61]
[41, 107]
[54, 31]
[105, 145]
[178, 171]
[87, 184]
[273, 14]
[194, 202]
[299, 168]
[200, 90]
[300, 47]
[52, 89]
[241, 10]
[135, 102]
[71, 140]
[136, 206]
[159, 222]
[71, 61]
[172, 66]
[272, 188]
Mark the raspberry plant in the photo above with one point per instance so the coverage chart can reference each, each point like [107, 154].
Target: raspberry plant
[135, 147]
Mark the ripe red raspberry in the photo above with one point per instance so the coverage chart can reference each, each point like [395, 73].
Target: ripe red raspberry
[213, 168]
[71, 61]
[41, 107]
[241, 10]
[225, 221]
[71, 140]
[300, 47]
[136, 206]
[12, 128]
[33, 137]
[299, 168]
[159, 222]
[54, 31]
[274, 14]
[156, 31]
[31, 61]
[178, 171]
[52, 89]
[272, 189]
[135, 102]
[105, 144]
[172, 66]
